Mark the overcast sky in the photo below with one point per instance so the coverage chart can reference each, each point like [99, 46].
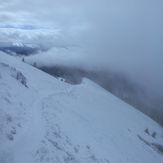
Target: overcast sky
[125, 35]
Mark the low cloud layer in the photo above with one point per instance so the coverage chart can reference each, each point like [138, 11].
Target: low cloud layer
[123, 35]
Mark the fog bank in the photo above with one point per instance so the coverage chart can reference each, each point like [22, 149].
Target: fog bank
[123, 35]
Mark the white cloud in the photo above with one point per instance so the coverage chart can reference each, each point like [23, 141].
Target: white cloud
[121, 34]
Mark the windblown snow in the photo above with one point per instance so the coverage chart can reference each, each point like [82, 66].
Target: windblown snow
[45, 120]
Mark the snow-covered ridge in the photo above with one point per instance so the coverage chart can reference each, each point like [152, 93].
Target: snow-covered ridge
[116, 83]
[52, 121]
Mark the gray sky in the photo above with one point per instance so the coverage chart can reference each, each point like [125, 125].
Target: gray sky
[125, 35]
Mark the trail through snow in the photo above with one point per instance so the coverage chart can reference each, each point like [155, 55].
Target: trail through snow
[35, 129]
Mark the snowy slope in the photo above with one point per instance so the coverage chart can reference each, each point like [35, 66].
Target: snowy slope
[46, 120]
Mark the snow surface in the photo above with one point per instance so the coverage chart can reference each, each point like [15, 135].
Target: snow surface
[44, 119]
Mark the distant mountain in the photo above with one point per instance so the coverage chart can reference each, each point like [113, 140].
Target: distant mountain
[18, 48]
[29, 41]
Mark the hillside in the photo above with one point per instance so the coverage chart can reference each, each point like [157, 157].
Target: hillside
[45, 120]
[116, 83]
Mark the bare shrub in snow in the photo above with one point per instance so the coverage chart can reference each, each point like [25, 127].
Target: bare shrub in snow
[20, 77]
[15, 74]
[147, 131]
[154, 135]
[159, 147]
